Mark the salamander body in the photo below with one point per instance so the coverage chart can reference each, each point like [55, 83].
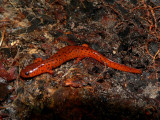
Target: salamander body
[67, 53]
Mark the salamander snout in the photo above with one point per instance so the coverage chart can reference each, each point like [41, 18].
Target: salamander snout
[29, 71]
[32, 70]
[24, 74]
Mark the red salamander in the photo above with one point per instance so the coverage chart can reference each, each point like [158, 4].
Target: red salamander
[67, 53]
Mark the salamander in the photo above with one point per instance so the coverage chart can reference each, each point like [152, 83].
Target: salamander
[67, 53]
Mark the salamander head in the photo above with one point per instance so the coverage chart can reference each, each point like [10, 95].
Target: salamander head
[32, 70]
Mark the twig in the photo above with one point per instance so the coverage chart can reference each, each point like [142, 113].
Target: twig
[153, 57]
[2, 35]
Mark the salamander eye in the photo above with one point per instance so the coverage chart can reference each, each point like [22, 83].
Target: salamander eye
[27, 73]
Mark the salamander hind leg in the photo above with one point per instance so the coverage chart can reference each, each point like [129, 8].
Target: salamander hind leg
[85, 45]
[78, 60]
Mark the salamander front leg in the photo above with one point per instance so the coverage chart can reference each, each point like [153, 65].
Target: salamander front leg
[38, 60]
[50, 72]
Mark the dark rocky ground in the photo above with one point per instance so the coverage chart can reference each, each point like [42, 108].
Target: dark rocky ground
[125, 31]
